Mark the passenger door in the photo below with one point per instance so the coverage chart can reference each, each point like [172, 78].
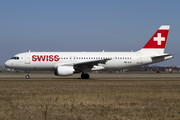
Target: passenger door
[27, 59]
[139, 58]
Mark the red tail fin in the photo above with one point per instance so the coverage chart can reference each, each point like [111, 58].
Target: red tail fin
[158, 40]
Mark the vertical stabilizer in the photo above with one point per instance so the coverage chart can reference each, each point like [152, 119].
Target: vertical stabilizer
[157, 42]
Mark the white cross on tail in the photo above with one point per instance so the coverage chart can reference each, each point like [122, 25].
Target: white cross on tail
[159, 39]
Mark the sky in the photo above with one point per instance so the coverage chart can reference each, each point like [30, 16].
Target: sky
[86, 25]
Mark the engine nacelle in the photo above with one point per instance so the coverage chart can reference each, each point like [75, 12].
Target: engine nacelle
[64, 71]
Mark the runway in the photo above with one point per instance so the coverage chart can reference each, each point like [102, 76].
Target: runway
[93, 76]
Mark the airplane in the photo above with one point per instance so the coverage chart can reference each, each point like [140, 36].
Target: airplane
[68, 63]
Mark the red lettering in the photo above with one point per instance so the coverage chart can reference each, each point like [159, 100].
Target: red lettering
[45, 58]
[56, 58]
[34, 58]
[40, 58]
[51, 58]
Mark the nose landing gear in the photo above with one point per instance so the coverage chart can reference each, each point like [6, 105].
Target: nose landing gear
[27, 76]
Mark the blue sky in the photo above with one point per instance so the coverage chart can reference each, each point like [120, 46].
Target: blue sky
[82, 25]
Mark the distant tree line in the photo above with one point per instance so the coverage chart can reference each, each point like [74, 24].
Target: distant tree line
[157, 68]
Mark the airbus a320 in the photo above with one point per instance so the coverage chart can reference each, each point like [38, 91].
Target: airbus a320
[68, 63]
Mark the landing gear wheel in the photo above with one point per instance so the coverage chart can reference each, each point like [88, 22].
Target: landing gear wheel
[27, 76]
[84, 76]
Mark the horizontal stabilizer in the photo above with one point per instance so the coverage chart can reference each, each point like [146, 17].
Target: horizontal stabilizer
[162, 57]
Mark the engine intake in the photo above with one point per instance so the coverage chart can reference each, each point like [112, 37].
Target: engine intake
[64, 71]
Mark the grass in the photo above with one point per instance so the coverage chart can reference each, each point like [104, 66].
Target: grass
[90, 100]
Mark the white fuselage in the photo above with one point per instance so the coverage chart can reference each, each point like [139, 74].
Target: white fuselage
[49, 60]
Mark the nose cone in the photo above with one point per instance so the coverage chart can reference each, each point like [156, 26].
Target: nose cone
[7, 63]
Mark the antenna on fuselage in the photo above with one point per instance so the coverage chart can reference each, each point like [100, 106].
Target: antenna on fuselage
[29, 50]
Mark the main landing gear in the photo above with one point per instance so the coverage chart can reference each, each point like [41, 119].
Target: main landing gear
[84, 76]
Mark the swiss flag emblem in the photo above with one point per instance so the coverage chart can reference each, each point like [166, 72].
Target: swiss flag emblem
[158, 40]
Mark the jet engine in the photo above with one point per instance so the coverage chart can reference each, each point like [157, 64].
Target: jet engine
[64, 71]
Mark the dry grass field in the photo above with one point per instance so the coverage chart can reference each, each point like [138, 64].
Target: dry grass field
[131, 97]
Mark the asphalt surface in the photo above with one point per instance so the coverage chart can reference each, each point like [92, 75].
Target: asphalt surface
[99, 76]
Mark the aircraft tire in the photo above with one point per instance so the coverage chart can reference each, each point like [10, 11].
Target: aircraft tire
[27, 76]
[84, 76]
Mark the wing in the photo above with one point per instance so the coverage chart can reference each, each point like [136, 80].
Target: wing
[90, 65]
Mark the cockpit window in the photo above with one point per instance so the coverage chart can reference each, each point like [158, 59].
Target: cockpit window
[15, 58]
